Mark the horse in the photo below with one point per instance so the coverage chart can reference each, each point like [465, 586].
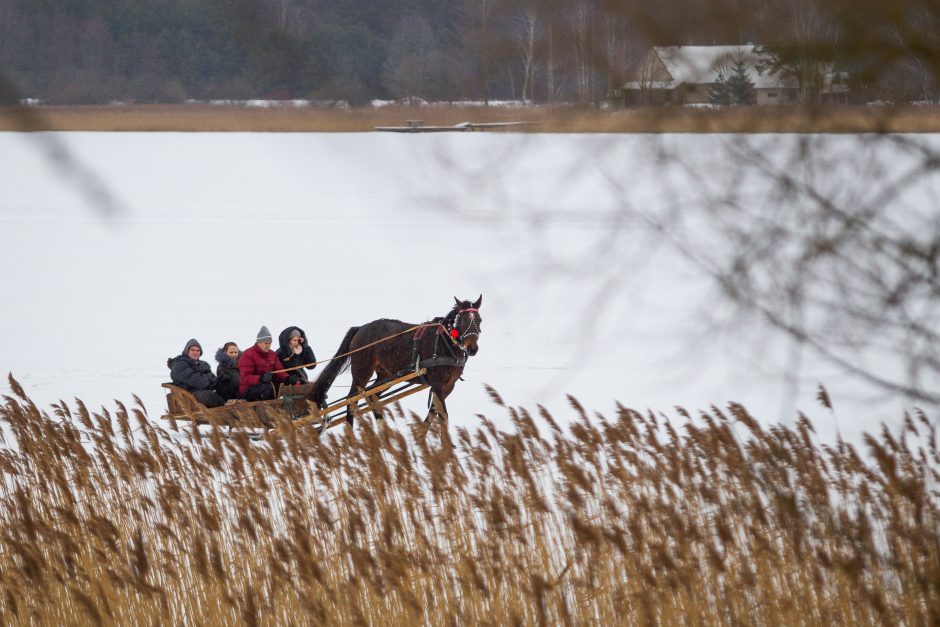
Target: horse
[388, 347]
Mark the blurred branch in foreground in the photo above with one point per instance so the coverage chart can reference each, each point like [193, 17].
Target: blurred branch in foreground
[833, 241]
[84, 179]
[838, 249]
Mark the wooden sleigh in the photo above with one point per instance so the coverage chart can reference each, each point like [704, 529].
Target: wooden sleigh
[291, 405]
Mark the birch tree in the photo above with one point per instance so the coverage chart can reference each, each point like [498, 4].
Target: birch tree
[581, 24]
[525, 29]
[411, 55]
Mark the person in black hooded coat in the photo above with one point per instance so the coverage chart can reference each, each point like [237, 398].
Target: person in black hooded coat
[227, 370]
[294, 351]
[194, 375]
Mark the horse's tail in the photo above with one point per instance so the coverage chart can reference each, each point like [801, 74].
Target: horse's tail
[336, 366]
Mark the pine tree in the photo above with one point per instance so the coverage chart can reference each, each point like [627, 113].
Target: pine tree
[719, 93]
[740, 86]
[735, 89]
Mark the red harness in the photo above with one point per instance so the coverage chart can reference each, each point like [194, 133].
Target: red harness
[424, 327]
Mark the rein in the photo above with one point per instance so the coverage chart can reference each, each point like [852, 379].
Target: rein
[455, 341]
[347, 354]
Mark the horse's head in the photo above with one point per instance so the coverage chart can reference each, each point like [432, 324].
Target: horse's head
[467, 322]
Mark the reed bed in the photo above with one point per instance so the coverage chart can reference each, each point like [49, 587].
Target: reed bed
[114, 518]
[545, 119]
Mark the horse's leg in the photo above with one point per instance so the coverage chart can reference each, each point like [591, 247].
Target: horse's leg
[361, 373]
[380, 373]
[439, 391]
[438, 407]
[432, 400]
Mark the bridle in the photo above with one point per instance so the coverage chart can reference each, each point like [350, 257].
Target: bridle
[473, 327]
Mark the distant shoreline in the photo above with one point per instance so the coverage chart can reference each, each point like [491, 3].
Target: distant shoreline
[234, 118]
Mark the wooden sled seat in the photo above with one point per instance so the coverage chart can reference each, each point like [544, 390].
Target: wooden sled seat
[179, 401]
[294, 390]
[182, 405]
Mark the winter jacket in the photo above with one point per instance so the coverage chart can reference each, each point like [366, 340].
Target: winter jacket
[191, 374]
[291, 360]
[227, 372]
[253, 363]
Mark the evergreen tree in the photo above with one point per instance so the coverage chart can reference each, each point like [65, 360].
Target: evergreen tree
[740, 86]
[718, 93]
[735, 88]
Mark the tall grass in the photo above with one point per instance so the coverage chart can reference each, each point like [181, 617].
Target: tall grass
[109, 517]
[191, 118]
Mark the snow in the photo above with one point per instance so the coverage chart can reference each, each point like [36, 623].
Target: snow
[218, 234]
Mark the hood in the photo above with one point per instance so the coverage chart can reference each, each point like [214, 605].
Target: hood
[283, 340]
[184, 354]
[224, 360]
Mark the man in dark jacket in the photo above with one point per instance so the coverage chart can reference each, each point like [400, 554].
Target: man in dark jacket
[294, 351]
[194, 375]
[256, 368]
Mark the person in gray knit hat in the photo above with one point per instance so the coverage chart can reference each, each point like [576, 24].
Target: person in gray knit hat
[256, 369]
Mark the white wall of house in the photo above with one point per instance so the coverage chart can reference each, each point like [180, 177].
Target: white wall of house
[694, 94]
[700, 94]
[776, 96]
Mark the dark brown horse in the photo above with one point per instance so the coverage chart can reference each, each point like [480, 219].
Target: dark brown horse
[383, 347]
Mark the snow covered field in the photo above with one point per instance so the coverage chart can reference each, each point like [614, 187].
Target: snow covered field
[214, 235]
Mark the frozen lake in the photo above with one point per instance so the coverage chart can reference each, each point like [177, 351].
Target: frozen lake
[213, 235]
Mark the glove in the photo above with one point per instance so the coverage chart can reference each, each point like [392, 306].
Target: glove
[266, 377]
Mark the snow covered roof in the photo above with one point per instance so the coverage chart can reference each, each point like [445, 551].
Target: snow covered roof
[698, 65]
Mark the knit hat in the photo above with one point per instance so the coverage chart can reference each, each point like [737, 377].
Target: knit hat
[263, 335]
[190, 344]
[294, 333]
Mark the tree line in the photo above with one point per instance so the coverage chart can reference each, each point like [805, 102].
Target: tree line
[93, 51]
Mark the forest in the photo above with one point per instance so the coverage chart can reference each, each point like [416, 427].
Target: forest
[537, 51]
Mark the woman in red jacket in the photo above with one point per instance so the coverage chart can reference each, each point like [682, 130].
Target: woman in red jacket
[255, 370]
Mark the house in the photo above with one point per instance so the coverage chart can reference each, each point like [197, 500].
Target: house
[686, 74]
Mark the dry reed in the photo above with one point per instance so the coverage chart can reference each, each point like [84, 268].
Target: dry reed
[112, 518]
[221, 118]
